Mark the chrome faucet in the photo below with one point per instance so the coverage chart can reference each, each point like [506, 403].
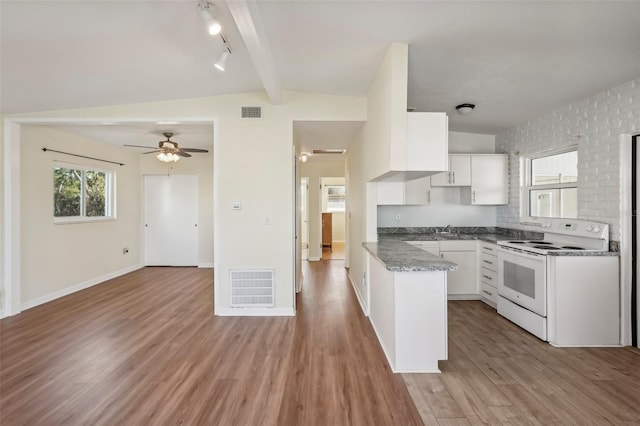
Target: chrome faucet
[446, 229]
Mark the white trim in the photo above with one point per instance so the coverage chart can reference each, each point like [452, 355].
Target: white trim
[463, 297]
[205, 265]
[358, 296]
[12, 259]
[77, 287]
[255, 312]
[313, 259]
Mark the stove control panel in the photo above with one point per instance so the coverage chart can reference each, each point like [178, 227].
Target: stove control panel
[579, 228]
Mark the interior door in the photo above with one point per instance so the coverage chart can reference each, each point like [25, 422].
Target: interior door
[171, 220]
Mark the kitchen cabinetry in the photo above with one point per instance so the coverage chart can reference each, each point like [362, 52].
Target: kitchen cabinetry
[422, 153]
[489, 179]
[459, 173]
[463, 282]
[489, 273]
[413, 192]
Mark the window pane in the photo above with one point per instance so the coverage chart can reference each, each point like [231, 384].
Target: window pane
[554, 203]
[335, 198]
[559, 168]
[95, 193]
[66, 192]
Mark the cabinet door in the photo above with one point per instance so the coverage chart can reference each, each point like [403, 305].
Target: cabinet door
[390, 193]
[460, 169]
[417, 191]
[489, 179]
[427, 141]
[464, 280]
[440, 179]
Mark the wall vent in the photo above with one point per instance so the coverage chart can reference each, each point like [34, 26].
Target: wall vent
[252, 288]
[251, 112]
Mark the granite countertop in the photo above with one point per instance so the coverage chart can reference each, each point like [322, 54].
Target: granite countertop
[398, 256]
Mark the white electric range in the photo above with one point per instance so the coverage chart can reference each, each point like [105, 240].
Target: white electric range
[561, 288]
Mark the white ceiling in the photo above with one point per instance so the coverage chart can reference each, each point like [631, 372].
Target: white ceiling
[513, 59]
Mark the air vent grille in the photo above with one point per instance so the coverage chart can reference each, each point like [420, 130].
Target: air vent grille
[251, 112]
[252, 288]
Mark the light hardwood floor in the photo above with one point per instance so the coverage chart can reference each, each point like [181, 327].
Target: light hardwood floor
[499, 374]
[144, 349]
[336, 252]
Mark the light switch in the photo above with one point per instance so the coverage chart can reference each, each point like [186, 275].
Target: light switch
[236, 205]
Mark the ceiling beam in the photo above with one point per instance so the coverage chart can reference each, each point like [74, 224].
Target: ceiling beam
[247, 19]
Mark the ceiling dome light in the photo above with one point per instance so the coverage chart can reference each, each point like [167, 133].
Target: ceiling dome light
[222, 62]
[304, 157]
[465, 109]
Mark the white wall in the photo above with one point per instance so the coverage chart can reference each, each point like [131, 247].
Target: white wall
[253, 164]
[2, 218]
[315, 170]
[445, 207]
[200, 165]
[368, 157]
[59, 257]
[598, 120]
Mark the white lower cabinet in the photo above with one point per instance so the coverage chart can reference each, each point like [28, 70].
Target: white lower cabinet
[489, 273]
[463, 282]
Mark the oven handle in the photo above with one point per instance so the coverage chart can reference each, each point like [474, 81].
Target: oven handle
[518, 252]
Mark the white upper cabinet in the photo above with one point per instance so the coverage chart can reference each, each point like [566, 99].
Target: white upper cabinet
[413, 192]
[489, 179]
[422, 153]
[459, 173]
[427, 141]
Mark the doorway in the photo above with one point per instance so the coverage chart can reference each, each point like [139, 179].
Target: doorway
[635, 241]
[333, 208]
[171, 220]
[304, 212]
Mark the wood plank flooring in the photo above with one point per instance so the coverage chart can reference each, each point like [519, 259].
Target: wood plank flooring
[145, 349]
[499, 374]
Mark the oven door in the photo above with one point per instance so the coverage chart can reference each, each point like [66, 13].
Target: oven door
[522, 278]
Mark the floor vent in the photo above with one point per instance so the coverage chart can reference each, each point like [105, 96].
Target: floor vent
[251, 112]
[252, 288]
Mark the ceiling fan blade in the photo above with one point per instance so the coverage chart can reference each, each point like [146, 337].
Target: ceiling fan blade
[181, 153]
[151, 152]
[140, 146]
[194, 150]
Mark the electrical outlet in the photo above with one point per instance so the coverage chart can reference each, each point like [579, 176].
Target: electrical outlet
[125, 250]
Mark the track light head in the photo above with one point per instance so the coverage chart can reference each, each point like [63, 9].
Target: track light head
[213, 26]
[222, 62]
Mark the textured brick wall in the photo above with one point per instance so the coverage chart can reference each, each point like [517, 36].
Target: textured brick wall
[595, 125]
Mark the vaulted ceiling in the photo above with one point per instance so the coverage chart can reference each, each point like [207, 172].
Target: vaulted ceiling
[514, 59]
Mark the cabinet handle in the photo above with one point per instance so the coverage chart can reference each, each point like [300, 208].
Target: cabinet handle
[473, 196]
[429, 196]
[487, 292]
[487, 277]
[487, 248]
[486, 261]
[453, 177]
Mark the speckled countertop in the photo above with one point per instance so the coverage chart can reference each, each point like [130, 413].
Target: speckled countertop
[399, 256]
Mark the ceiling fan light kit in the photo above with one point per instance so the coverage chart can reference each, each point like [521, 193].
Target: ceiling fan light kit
[169, 151]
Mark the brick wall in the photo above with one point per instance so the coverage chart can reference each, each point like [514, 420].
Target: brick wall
[594, 124]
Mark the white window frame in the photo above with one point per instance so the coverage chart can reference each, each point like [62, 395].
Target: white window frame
[110, 195]
[527, 187]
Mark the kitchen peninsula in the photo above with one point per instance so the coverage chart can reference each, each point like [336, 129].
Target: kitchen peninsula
[408, 304]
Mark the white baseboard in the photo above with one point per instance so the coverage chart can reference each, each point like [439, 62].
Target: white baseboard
[463, 297]
[81, 286]
[313, 259]
[358, 295]
[255, 312]
[205, 265]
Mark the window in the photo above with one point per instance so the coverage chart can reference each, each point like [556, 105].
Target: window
[82, 194]
[552, 185]
[335, 198]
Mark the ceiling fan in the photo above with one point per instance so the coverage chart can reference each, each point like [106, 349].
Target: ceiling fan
[169, 150]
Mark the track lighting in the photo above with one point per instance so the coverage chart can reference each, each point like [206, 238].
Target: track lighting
[213, 26]
[304, 157]
[465, 109]
[222, 62]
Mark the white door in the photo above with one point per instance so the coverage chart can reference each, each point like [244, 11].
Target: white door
[304, 207]
[171, 220]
